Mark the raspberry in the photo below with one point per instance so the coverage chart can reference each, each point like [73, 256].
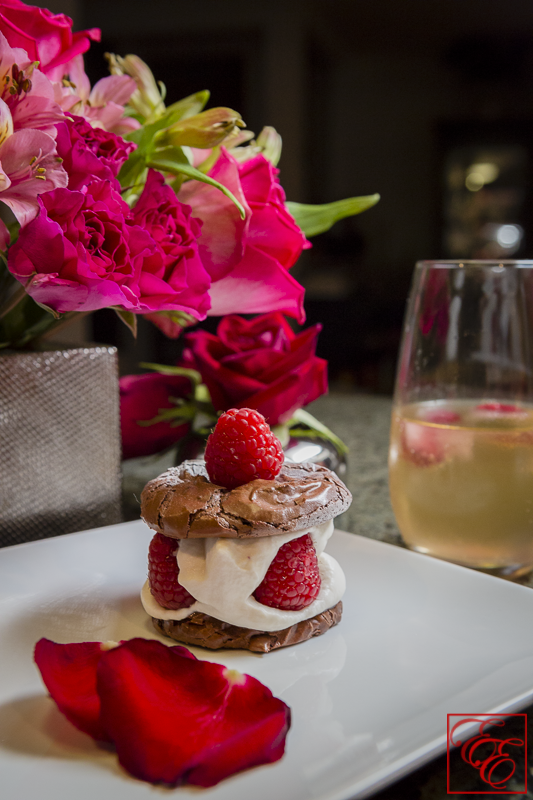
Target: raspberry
[241, 448]
[163, 574]
[500, 408]
[293, 580]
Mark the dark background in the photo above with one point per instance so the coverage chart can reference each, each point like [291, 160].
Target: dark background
[376, 96]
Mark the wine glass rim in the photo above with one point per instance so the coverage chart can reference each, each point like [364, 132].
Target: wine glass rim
[446, 263]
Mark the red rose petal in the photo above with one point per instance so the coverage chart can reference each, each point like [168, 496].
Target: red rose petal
[69, 674]
[173, 721]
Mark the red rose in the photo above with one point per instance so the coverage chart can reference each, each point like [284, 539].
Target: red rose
[46, 37]
[259, 363]
[142, 397]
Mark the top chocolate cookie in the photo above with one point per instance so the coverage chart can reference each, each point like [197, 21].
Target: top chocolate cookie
[182, 502]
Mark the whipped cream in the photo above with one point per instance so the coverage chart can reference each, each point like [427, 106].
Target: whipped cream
[222, 574]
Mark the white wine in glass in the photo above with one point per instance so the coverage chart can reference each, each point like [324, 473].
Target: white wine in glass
[461, 452]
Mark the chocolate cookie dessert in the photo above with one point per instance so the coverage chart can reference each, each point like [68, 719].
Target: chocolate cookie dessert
[183, 503]
[241, 565]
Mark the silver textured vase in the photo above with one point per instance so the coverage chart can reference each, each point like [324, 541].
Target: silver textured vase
[60, 442]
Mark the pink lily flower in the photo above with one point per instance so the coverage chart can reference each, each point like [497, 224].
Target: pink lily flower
[103, 105]
[27, 92]
[29, 166]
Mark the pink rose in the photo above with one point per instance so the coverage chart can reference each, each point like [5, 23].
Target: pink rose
[46, 37]
[176, 264]
[82, 252]
[142, 397]
[248, 260]
[259, 363]
[90, 153]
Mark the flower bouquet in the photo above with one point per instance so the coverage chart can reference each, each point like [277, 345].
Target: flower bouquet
[111, 199]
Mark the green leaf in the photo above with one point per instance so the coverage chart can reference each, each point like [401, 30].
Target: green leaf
[189, 106]
[201, 393]
[144, 137]
[128, 318]
[282, 433]
[179, 320]
[133, 172]
[164, 369]
[176, 416]
[269, 141]
[209, 162]
[204, 423]
[51, 311]
[14, 229]
[26, 321]
[314, 425]
[318, 219]
[172, 153]
[164, 161]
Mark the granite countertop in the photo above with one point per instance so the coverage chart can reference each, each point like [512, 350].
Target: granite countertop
[363, 423]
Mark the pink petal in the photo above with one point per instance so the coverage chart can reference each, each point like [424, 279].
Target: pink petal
[81, 41]
[221, 243]
[114, 88]
[257, 177]
[60, 294]
[18, 38]
[256, 285]
[174, 720]
[77, 74]
[37, 112]
[122, 126]
[41, 243]
[274, 231]
[15, 156]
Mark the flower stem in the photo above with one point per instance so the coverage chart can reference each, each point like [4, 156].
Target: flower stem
[14, 300]
[58, 325]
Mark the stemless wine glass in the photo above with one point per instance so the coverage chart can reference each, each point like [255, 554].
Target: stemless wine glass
[461, 452]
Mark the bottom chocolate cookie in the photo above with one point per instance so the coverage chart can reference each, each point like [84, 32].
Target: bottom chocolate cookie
[205, 631]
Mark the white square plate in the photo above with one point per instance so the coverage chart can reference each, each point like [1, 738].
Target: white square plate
[419, 638]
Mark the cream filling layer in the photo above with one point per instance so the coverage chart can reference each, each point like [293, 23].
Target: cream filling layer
[222, 574]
